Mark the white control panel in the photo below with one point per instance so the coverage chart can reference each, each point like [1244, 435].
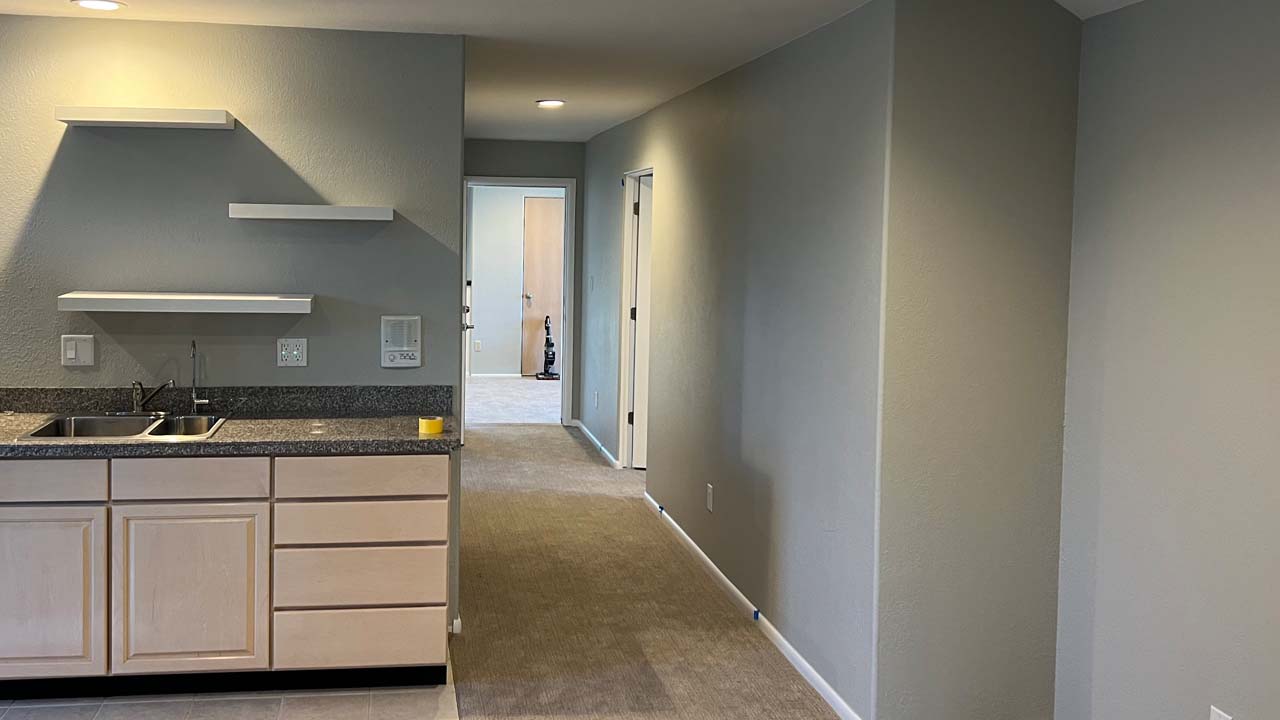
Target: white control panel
[77, 350]
[291, 352]
[401, 341]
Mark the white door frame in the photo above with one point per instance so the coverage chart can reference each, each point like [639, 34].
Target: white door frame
[566, 341]
[626, 355]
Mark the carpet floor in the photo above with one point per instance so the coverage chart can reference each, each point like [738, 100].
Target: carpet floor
[578, 604]
[512, 400]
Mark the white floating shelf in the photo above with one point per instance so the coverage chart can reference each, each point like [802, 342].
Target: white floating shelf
[163, 302]
[145, 118]
[255, 211]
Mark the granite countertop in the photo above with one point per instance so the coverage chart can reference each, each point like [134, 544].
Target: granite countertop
[397, 435]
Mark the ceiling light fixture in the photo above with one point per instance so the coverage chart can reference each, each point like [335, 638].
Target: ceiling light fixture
[98, 4]
[550, 104]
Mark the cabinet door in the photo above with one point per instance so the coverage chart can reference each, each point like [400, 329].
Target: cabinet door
[53, 591]
[189, 587]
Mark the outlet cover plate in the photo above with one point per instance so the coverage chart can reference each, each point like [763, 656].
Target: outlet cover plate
[291, 352]
[710, 497]
[77, 350]
[1216, 714]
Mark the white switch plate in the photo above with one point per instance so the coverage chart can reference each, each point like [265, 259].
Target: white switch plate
[291, 352]
[1216, 714]
[710, 497]
[478, 346]
[77, 350]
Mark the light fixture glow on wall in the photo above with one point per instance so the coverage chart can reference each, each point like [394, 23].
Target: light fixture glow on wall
[98, 4]
[550, 104]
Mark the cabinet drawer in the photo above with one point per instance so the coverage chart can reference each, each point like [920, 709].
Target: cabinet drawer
[53, 481]
[348, 577]
[190, 478]
[336, 523]
[307, 639]
[370, 476]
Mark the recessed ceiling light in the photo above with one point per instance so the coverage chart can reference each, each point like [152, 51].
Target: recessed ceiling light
[98, 4]
[550, 104]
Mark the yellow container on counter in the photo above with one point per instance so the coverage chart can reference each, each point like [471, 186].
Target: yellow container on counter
[430, 425]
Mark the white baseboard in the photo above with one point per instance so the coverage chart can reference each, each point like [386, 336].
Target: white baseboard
[607, 455]
[793, 656]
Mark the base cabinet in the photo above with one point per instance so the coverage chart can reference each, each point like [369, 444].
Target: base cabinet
[53, 591]
[190, 587]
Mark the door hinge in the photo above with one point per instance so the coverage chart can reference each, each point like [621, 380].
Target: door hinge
[631, 418]
[633, 313]
[635, 208]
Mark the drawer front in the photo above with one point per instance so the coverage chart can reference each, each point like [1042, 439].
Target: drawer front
[53, 481]
[350, 577]
[336, 523]
[312, 639]
[190, 478]
[370, 476]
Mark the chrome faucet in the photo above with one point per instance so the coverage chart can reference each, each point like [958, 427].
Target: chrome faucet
[140, 400]
[196, 401]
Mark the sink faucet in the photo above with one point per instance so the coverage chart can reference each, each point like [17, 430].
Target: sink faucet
[140, 400]
[196, 401]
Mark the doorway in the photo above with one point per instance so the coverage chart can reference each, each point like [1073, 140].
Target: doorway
[637, 286]
[517, 293]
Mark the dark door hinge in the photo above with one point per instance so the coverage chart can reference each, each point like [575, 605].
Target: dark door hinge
[631, 418]
[635, 208]
[633, 313]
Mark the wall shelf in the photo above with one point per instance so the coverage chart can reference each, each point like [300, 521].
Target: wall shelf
[145, 118]
[256, 211]
[166, 302]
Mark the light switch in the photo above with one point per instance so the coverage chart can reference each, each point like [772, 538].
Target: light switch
[77, 350]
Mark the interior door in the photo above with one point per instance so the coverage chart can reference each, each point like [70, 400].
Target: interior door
[543, 279]
[640, 324]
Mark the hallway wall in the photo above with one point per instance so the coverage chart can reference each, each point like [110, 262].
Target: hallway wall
[769, 197]
[1170, 592]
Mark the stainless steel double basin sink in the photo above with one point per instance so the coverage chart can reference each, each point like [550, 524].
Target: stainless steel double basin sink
[111, 428]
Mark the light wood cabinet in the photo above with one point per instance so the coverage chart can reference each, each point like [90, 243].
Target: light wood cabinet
[53, 591]
[314, 639]
[190, 587]
[379, 521]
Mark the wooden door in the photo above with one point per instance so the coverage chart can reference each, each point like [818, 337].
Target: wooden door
[53, 591]
[543, 279]
[189, 587]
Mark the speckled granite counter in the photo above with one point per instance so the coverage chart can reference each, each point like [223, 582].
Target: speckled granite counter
[334, 436]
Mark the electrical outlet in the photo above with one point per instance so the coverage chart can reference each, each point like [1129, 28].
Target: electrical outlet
[291, 352]
[710, 497]
[77, 350]
[1216, 714]
[595, 399]
[478, 346]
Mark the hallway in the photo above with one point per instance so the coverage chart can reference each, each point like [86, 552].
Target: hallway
[577, 603]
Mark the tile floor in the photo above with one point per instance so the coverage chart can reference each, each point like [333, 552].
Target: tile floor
[436, 703]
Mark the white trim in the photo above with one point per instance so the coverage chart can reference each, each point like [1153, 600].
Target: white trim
[626, 339]
[170, 302]
[568, 342]
[174, 118]
[501, 375]
[268, 211]
[792, 655]
[607, 456]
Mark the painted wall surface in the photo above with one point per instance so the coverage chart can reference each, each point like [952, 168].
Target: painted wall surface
[497, 276]
[324, 117]
[1170, 570]
[977, 263]
[768, 209]
[518, 158]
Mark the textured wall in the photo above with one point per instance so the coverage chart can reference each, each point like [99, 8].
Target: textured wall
[518, 158]
[496, 246]
[768, 186]
[977, 262]
[1169, 576]
[325, 116]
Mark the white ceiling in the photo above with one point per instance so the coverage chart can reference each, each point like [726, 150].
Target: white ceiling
[610, 59]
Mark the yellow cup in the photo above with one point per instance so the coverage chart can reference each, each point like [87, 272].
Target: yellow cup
[432, 425]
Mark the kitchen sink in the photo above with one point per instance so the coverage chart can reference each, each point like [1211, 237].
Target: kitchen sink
[105, 428]
[95, 426]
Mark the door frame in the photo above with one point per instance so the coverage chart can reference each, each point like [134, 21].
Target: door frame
[626, 338]
[567, 340]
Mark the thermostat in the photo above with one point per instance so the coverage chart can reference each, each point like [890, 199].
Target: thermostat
[401, 341]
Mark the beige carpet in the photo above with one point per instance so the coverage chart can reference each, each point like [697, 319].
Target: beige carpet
[577, 603]
[493, 399]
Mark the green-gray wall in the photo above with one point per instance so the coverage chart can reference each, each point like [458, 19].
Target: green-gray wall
[532, 159]
[324, 117]
[1170, 558]
[977, 265]
[768, 208]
